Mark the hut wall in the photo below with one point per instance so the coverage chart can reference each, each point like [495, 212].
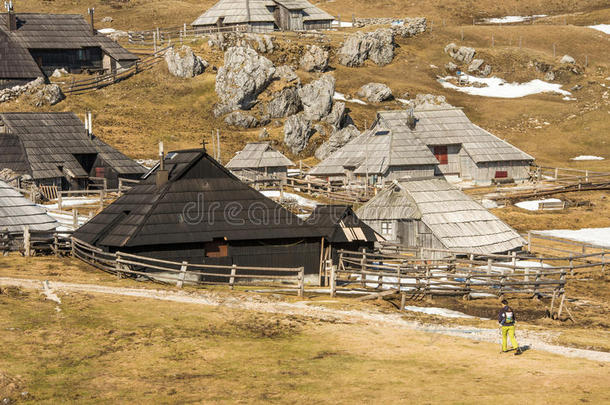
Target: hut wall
[468, 168]
[517, 170]
[397, 172]
[282, 17]
[453, 159]
[8, 83]
[73, 60]
[317, 25]
[262, 27]
[277, 253]
[296, 20]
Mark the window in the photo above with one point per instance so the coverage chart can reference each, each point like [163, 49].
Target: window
[216, 248]
[440, 153]
[386, 228]
[501, 174]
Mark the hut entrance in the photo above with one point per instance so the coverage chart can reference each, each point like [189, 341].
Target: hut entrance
[441, 154]
[217, 248]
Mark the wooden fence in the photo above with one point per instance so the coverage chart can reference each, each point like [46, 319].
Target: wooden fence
[35, 243]
[168, 35]
[99, 82]
[180, 273]
[374, 272]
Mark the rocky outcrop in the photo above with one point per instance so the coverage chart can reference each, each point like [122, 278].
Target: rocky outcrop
[336, 141]
[16, 91]
[240, 119]
[315, 59]
[243, 77]
[567, 59]
[337, 116]
[263, 43]
[184, 63]
[49, 94]
[263, 134]
[463, 54]
[59, 73]
[430, 101]
[297, 131]
[375, 92]
[286, 73]
[451, 67]
[409, 27]
[377, 46]
[284, 103]
[224, 41]
[317, 97]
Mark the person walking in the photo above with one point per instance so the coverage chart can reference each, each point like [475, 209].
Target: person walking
[507, 319]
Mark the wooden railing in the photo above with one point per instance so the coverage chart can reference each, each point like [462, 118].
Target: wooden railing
[168, 35]
[34, 243]
[125, 264]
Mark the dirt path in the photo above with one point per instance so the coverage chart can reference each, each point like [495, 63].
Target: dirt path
[535, 340]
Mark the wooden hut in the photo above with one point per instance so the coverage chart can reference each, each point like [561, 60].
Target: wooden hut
[421, 143]
[259, 159]
[431, 213]
[193, 209]
[264, 15]
[34, 45]
[56, 150]
[17, 212]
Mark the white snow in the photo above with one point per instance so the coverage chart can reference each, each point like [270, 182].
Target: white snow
[587, 157]
[489, 203]
[72, 202]
[594, 236]
[342, 24]
[66, 220]
[512, 19]
[106, 30]
[499, 88]
[404, 101]
[341, 97]
[605, 28]
[447, 313]
[302, 201]
[535, 204]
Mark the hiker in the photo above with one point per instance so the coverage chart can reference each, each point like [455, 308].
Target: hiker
[506, 318]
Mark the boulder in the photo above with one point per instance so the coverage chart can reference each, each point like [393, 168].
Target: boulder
[377, 46]
[263, 134]
[567, 59]
[107, 19]
[240, 119]
[264, 43]
[315, 59]
[49, 94]
[297, 131]
[430, 101]
[337, 115]
[184, 63]
[463, 54]
[451, 67]
[486, 71]
[475, 65]
[336, 141]
[284, 103]
[286, 73]
[243, 77]
[549, 76]
[375, 92]
[317, 97]
[59, 72]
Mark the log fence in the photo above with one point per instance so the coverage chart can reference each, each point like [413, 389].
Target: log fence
[35, 243]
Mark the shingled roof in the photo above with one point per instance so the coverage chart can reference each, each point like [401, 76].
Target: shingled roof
[258, 155]
[252, 11]
[16, 212]
[15, 60]
[460, 223]
[339, 223]
[60, 31]
[201, 201]
[39, 143]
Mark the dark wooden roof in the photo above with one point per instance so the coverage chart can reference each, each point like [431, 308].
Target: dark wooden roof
[37, 143]
[60, 31]
[15, 60]
[201, 201]
[337, 224]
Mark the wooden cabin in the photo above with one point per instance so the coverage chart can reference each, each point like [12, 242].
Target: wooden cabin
[422, 143]
[55, 149]
[34, 45]
[431, 213]
[17, 212]
[193, 209]
[259, 160]
[264, 16]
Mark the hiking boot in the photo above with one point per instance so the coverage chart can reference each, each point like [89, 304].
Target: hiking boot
[519, 351]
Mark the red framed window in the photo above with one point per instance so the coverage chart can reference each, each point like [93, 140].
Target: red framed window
[501, 174]
[440, 153]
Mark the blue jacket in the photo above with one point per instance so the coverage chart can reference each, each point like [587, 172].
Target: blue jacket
[506, 317]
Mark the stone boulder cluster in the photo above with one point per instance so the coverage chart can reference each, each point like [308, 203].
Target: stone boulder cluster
[315, 59]
[37, 91]
[465, 56]
[375, 92]
[378, 46]
[224, 41]
[247, 99]
[184, 63]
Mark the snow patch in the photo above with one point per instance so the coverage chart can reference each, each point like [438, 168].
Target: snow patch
[587, 157]
[447, 313]
[106, 31]
[341, 97]
[302, 201]
[72, 202]
[342, 24]
[499, 88]
[535, 204]
[594, 236]
[509, 19]
[605, 28]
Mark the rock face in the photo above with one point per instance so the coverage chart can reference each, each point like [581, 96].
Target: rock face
[184, 63]
[375, 92]
[337, 140]
[264, 43]
[315, 59]
[475, 65]
[239, 119]
[377, 46]
[297, 131]
[49, 94]
[410, 27]
[286, 73]
[59, 72]
[317, 97]
[462, 54]
[243, 77]
[430, 101]
[263, 134]
[451, 67]
[284, 103]
[337, 116]
[567, 59]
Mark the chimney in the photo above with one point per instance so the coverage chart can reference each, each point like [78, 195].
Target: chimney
[11, 18]
[162, 174]
[91, 11]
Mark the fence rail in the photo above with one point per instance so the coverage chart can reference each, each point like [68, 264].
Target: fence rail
[34, 243]
[125, 264]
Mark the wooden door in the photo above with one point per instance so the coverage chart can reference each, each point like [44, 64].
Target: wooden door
[440, 153]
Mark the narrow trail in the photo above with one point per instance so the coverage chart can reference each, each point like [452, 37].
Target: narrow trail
[536, 340]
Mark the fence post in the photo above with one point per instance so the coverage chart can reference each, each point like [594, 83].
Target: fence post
[101, 200]
[403, 301]
[603, 262]
[75, 218]
[182, 275]
[468, 288]
[118, 266]
[301, 281]
[333, 279]
[55, 245]
[363, 269]
[232, 278]
[489, 261]
[59, 200]
[27, 241]
[537, 286]
[571, 264]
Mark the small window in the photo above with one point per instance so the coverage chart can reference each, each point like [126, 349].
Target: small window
[440, 153]
[501, 174]
[386, 228]
[217, 248]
